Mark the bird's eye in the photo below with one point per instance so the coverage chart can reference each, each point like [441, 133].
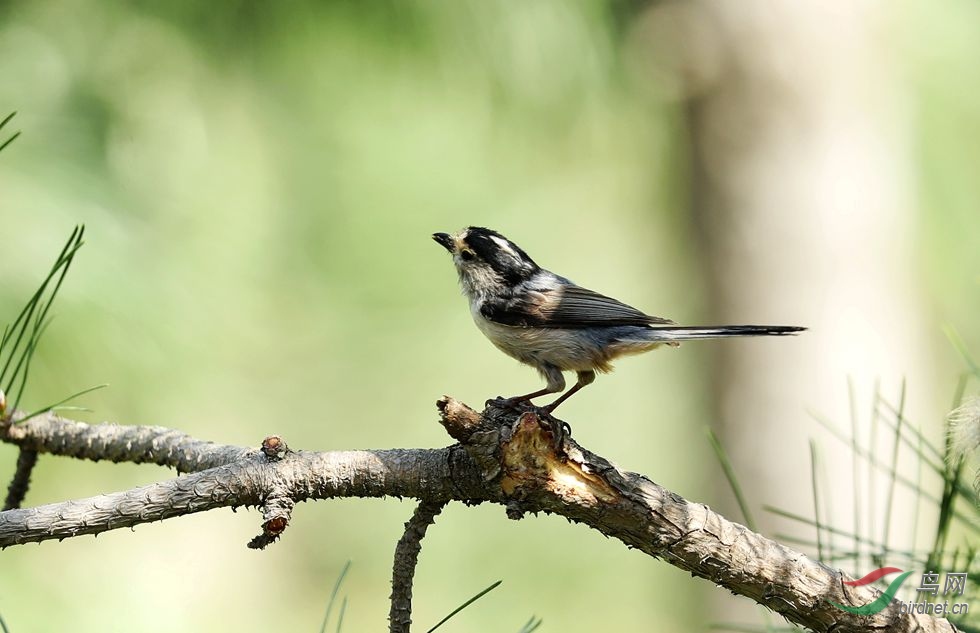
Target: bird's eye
[467, 255]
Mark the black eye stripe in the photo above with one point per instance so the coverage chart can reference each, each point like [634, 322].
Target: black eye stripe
[482, 246]
[512, 264]
[488, 249]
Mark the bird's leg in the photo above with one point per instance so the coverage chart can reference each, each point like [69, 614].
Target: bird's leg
[559, 428]
[525, 398]
[556, 383]
[584, 378]
[516, 403]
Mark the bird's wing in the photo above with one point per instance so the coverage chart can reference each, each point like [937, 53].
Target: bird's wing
[567, 306]
[581, 307]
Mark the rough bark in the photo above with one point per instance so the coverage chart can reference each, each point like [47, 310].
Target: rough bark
[406, 559]
[501, 457]
[21, 481]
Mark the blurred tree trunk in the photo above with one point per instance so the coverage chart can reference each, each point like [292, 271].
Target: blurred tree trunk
[799, 176]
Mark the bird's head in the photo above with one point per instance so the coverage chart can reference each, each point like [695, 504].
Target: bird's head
[487, 262]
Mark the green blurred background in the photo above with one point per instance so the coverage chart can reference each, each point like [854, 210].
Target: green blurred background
[259, 182]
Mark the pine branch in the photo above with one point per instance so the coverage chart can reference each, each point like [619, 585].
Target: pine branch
[501, 458]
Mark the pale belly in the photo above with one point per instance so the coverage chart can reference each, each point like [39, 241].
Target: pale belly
[568, 350]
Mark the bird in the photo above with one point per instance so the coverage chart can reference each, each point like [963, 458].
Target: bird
[550, 323]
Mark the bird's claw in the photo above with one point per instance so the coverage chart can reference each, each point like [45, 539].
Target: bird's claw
[560, 430]
[513, 404]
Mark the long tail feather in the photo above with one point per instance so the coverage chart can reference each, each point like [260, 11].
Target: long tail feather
[688, 333]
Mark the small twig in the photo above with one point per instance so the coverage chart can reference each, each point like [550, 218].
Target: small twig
[278, 507]
[21, 481]
[276, 512]
[406, 558]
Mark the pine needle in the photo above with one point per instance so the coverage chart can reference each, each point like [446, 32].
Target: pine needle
[340, 616]
[333, 596]
[11, 139]
[890, 498]
[20, 340]
[531, 625]
[57, 405]
[726, 466]
[465, 604]
[816, 499]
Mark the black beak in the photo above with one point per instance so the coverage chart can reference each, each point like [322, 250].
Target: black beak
[445, 240]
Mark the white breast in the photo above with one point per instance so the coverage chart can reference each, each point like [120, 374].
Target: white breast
[564, 349]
